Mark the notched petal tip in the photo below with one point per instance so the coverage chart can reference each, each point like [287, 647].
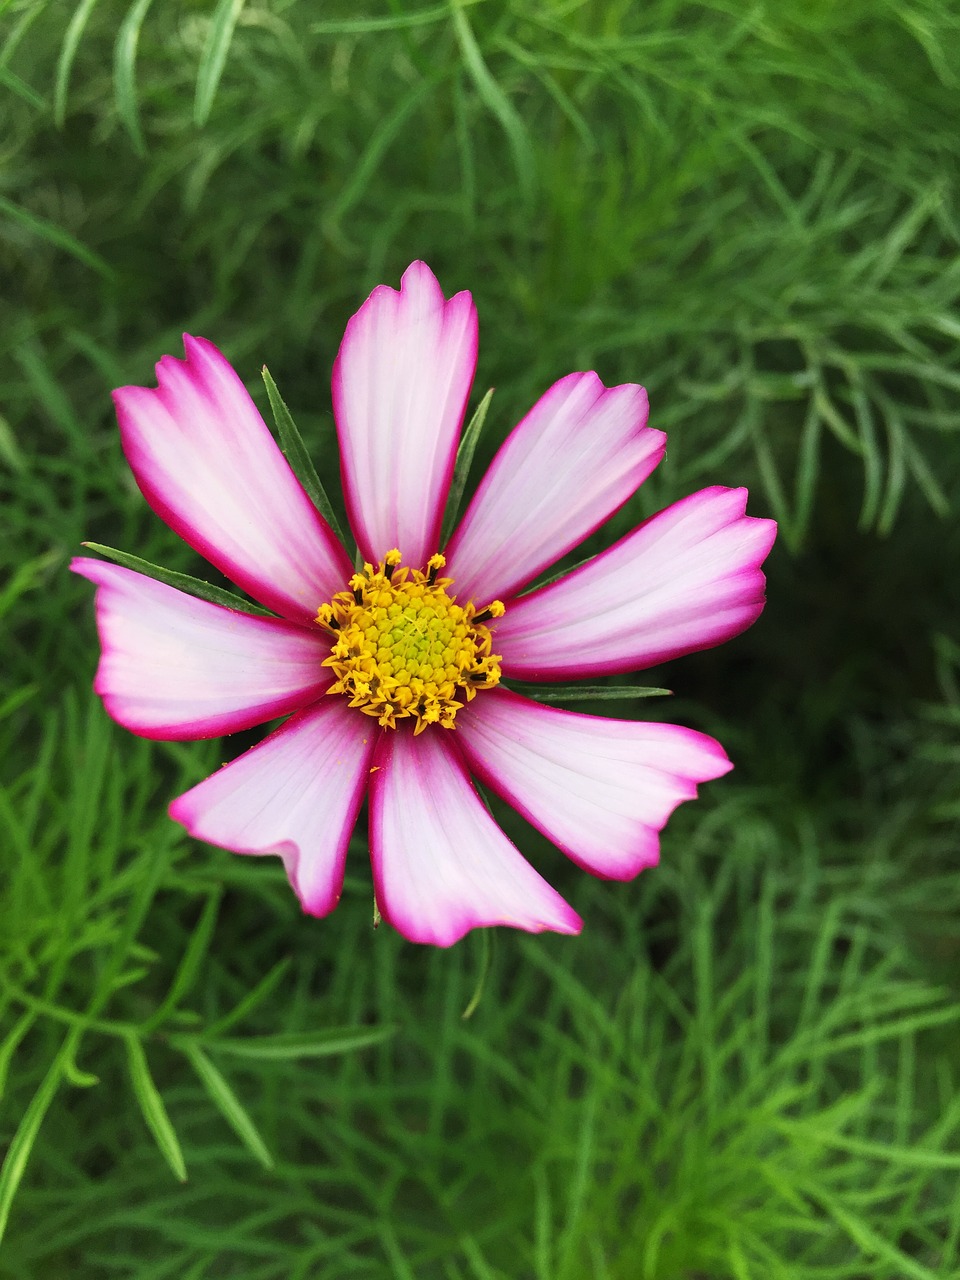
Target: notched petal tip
[85, 566]
[600, 789]
[574, 459]
[401, 381]
[420, 276]
[686, 579]
[441, 864]
[176, 668]
[295, 796]
[316, 903]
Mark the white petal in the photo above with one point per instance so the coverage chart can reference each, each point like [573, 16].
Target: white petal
[295, 795]
[400, 388]
[208, 466]
[688, 578]
[441, 865]
[577, 456]
[176, 667]
[600, 789]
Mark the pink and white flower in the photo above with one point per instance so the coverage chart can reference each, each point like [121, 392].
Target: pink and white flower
[389, 678]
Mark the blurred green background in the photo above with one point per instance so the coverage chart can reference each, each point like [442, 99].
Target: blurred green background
[747, 1066]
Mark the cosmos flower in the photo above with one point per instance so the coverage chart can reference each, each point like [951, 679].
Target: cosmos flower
[394, 676]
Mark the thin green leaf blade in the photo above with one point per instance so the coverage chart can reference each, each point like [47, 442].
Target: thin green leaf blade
[68, 51]
[255, 997]
[497, 102]
[486, 952]
[153, 1109]
[214, 58]
[10, 452]
[303, 1044]
[295, 451]
[181, 581]
[12, 81]
[371, 160]
[586, 692]
[189, 967]
[396, 22]
[125, 72]
[46, 230]
[227, 1103]
[11, 1043]
[461, 469]
[24, 579]
[18, 1153]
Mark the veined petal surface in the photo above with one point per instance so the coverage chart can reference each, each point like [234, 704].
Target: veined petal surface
[578, 455]
[400, 387]
[209, 467]
[174, 667]
[600, 789]
[297, 795]
[688, 578]
[441, 865]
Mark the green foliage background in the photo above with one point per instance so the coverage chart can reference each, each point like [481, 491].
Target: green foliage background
[747, 1065]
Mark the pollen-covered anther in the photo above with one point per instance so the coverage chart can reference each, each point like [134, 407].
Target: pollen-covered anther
[404, 648]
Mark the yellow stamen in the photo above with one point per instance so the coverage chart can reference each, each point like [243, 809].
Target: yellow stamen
[403, 646]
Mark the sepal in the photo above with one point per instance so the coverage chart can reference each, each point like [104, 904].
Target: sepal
[295, 452]
[461, 468]
[584, 692]
[181, 581]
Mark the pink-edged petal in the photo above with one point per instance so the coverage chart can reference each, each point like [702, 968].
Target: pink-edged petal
[175, 667]
[209, 467]
[400, 387]
[688, 578]
[296, 795]
[441, 865]
[600, 789]
[578, 455]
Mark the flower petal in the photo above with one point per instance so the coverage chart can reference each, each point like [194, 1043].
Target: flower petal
[441, 865]
[176, 667]
[600, 789]
[688, 578]
[209, 467]
[578, 455]
[297, 795]
[400, 388]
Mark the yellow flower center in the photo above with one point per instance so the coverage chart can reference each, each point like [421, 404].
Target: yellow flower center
[405, 648]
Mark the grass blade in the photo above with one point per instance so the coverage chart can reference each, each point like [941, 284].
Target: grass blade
[68, 51]
[10, 452]
[24, 579]
[189, 966]
[49, 231]
[371, 161]
[396, 22]
[214, 58]
[152, 1107]
[23, 90]
[486, 951]
[255, 997]
[304, 1044]
[12, 1042]
[497, 103]
[19, 1150]
[227, 1102]
[125, 72]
